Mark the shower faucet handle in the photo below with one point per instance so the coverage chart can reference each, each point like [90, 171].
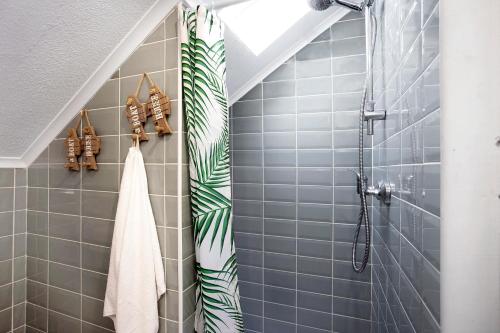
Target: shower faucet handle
[382, 191]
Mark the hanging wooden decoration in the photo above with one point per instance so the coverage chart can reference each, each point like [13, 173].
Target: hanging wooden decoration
[73, 148]
[91, 144]
[158, 107]
[136, 113]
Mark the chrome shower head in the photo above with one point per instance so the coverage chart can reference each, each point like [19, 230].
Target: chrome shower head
[357, 5]
[320, 5]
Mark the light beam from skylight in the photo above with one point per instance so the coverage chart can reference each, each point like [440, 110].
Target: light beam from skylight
[259, 23]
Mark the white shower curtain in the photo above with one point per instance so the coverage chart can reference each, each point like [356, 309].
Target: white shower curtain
[206, 111]
[136, 279]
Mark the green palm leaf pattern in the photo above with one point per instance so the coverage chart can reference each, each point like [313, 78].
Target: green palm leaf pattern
[207, 125]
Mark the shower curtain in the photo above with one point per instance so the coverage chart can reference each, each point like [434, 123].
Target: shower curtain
[206, 112]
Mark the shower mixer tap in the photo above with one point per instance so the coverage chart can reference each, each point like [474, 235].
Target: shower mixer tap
[382, 191]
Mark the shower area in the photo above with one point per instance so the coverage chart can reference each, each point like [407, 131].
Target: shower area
[294, 159]
[297, 186]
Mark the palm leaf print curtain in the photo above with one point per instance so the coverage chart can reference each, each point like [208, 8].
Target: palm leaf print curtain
[206, 112]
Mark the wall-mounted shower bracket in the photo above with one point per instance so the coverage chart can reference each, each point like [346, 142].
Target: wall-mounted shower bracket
[370, 115]
[382, 191]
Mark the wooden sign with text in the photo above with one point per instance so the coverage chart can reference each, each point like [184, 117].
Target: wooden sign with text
[91, 146]
[137, 117]
[73, 150]
[159, 108]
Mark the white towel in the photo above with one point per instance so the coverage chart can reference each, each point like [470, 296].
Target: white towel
[136, 279]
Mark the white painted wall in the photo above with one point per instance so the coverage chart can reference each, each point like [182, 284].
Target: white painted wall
[470, 184]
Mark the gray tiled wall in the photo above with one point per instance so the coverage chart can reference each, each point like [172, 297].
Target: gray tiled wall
[294, 139]
[406, 289]
[70, 214]
[12, 250]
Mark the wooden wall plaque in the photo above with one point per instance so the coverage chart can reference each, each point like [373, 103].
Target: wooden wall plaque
[73, 149]
[159, 108]
[91, 146]
[136, 113]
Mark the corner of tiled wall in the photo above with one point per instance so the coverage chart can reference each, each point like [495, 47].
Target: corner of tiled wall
[294, 141]
[406, 149]
[12, 250]
[70, 216]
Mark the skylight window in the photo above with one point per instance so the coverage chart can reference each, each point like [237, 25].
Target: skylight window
[259, 23]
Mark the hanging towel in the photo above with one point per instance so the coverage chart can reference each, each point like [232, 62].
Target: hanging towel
[136, 279]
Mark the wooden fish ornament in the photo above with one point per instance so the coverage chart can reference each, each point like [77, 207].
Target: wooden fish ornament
[159, 108]
[73, 150]
[137, 117]
[91, 146]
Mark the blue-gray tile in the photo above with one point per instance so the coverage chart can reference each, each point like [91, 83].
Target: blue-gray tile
[283, 245]
[279, 227]
[282, 123]
[315, 284]
[247, 224]
[280, 158]
[315, 176]
[348, 47]
[279, 312]
[282, 262]
[315, 212]
[284, 72]
[280, 210]
[279, 279]
[348, 29]
[277, 326]
[247, 125]
[314, 51]
[314, 158]
[314, 104]
[314, 319]
[314, 140]
[280, 295]
[313, 68]
[314, 86]
[247, 109]
[313, 301]
[251, 306]
[279, 89]
[279, 106]
[286, 140]
[315, 230]
[314, 266]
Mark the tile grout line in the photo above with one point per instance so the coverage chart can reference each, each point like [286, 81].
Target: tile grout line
[13, 250]
[164, 173]
[262, 151]
[48, 231]
[180, 273]
[296, 192]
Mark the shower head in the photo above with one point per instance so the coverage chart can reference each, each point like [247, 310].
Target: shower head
[357, 5]
[320, 4]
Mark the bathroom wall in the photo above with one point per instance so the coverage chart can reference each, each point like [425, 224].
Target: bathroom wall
[12, 250]
[406, 152]
[294, 141]
[70, 216]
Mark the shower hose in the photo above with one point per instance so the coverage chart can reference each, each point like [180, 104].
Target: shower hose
[364, 218]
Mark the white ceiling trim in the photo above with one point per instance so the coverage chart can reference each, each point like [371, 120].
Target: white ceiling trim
[294, 48]
[12, 162]
[143, 27]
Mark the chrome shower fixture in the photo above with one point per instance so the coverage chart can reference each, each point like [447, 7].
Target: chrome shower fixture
[358, 5]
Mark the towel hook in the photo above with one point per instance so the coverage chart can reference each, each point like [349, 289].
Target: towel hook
[135, 140]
